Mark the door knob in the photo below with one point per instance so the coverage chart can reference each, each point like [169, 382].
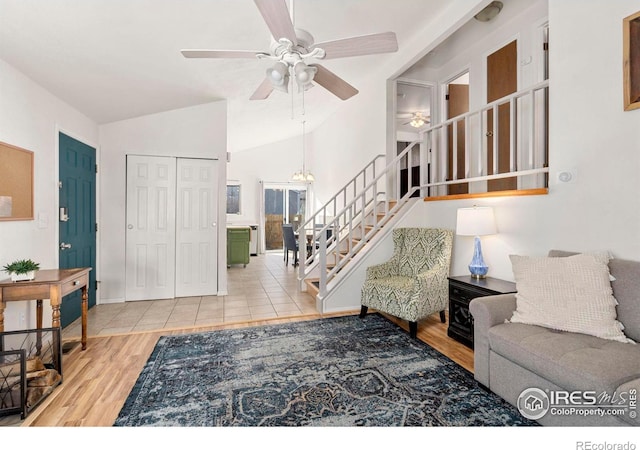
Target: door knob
[130, 227]
[64, 246]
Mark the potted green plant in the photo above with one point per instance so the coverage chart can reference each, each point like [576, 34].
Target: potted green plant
[22, 269]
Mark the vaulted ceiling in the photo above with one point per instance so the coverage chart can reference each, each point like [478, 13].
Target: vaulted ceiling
[118, 59]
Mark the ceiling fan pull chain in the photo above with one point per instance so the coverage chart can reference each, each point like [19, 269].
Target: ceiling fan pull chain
[292, 104]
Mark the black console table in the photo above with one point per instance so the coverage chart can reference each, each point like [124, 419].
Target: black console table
[461, 291]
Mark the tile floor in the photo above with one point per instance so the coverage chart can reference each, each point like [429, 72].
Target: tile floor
[266, 288]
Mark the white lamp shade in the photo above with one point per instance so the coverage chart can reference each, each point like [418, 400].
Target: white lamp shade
[476, 221]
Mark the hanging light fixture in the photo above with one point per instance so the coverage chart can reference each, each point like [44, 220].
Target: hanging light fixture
[278, 75]
[303, 175]
[417, 120]
[304, 75]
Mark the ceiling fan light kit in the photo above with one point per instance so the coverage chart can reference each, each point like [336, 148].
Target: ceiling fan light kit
[418, 120]
[293, 49]
[278, 75]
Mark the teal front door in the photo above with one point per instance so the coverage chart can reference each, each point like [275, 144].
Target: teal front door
[77, 200]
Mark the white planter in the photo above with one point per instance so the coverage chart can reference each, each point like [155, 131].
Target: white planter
[23, 276]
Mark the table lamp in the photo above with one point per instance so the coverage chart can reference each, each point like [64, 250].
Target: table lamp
[476, 221]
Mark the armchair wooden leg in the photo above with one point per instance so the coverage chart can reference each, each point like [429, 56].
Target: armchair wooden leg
[443, 318]
[363, 311]
[413, 329]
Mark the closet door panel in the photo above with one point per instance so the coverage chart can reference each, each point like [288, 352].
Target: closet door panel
[196, 228]
[150, 234]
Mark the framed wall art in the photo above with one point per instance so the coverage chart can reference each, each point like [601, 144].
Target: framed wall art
[631, 62]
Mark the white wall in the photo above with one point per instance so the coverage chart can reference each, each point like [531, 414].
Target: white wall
[30, 117]
[590, 134]
[197, 132]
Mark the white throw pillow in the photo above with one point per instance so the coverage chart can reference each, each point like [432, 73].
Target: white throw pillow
[567, 293]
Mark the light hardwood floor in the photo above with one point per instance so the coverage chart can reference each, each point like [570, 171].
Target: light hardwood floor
[98, 380]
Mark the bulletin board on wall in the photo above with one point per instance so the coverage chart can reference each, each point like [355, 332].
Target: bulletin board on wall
[16, 183]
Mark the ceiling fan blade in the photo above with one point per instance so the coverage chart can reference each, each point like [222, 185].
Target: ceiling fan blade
[276, 15]
[263, 91]
[360, 45]
[203, 53]
[334, 84]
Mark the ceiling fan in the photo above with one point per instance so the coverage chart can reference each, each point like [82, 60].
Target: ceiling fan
[293, 52]
[417, 119]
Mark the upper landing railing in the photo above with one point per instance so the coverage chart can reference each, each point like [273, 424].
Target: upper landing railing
[504, 141]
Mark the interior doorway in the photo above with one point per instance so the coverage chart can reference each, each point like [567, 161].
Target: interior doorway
[282, 203]
[414, 105]
[457, 103]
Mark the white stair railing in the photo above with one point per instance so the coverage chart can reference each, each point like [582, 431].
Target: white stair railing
[527, 146]
[369, 210]
[353, 226]
[308, 231]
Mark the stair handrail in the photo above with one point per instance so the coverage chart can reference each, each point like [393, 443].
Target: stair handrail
[306, 264]
[319, 236]
[327, 275]
[373, 182]
[343, 191]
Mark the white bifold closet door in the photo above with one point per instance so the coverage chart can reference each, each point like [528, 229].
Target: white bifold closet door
[196, 228]
[171, 240]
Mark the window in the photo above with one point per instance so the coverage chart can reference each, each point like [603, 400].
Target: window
[233, 198]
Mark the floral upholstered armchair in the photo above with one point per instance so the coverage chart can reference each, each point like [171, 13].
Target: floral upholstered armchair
[413, 283]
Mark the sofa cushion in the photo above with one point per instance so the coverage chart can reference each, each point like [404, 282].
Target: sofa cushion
[626, 290]
[573, 361]
[568, 294]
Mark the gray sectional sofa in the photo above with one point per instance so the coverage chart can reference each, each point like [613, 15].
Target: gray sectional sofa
[511, 358]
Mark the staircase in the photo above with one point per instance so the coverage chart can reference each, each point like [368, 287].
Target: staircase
[345, 232]
[341, 250]
[339, 235]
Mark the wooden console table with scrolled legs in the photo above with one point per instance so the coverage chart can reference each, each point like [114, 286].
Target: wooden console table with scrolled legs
[53, 284]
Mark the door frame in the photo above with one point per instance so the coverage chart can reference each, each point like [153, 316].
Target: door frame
[443, 110]
[424, 163]
[56, 218]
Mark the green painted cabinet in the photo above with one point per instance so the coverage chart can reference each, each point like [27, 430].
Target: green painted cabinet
[238, 245]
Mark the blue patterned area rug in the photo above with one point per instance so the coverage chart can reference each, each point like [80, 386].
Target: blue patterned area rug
[342, 371]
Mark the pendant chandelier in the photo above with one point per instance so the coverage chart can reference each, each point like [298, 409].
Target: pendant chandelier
[303, 175]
